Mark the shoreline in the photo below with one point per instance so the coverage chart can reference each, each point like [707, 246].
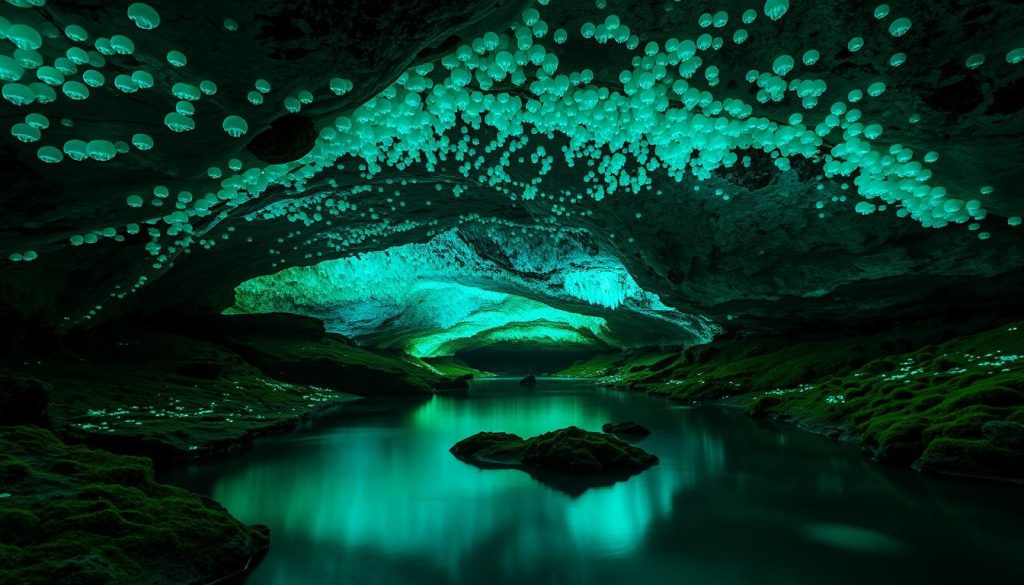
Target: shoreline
[835, 432]
[122, 446]
[170, 454]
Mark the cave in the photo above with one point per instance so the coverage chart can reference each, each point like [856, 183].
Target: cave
[511, 291]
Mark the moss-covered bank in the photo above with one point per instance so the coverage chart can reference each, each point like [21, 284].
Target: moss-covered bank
[198, 386]
[185, 388]
[940, 401]
[71, 514]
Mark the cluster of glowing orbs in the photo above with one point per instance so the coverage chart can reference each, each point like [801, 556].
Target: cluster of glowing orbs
[340, 86]
[27, 256]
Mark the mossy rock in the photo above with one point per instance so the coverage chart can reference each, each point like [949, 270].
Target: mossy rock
[897, 405]
[201, 385]
[1004, 433]
[971, 456]
[24, 401]
[105, 520]
[576, 451]
[900, 442]
[986, 395]
[570, 459]
[487, 449]
[763, 405]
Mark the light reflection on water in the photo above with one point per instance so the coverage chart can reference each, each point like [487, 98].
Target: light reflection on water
[372, 495]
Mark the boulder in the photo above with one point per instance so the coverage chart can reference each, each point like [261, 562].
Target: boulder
[576, 451]
[456, 383]
[203, 370]
[24, 401]
[108, 521]
[289, 138]
[491, 449]
[570, 459]
[1004, 433]
[971, 457]
[529, 381]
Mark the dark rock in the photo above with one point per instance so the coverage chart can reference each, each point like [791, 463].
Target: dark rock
[958, 98]
[24, 401]
[574, 450]
[269, 325]
[457, 383]
[202, 370]
[1004, 433]
[971, 457]
[1009, 99]
[570, 459]
[529, 380]
[289, 138]
[297, 349]
[488, 449]
[626, 428]
[108, 521]
[337, 374]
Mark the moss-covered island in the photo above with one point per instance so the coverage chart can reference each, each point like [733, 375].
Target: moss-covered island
[569, 459]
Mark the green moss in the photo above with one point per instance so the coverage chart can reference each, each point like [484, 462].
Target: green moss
[985, 395]
[451, 367]
[208, 386]
[897, 437]
[763, 405]
[898, 392]
[17, 526]
[929, 409]
[105, 520]
[580, 452]
[12, 470]
[971, 456]
[571, 451]
[595, 367]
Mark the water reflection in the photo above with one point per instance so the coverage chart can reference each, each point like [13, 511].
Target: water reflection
[373, 496]
[393, 485]
[853, 538]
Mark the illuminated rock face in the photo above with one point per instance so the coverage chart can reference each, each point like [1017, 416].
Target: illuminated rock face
[449, 294]
[760, 164]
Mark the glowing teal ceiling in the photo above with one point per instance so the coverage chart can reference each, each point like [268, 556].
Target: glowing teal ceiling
[552, 115]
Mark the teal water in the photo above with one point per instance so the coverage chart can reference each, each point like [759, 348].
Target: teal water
[370, 494]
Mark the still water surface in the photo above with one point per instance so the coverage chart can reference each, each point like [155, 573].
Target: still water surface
[370, 494]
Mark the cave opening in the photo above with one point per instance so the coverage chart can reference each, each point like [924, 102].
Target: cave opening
[523, 360]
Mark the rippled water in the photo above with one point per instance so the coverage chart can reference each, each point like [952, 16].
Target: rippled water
[370, 494]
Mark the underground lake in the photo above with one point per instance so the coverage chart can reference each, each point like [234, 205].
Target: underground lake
[370, 493]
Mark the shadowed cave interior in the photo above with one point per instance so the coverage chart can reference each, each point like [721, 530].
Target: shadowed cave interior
[412, 291]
